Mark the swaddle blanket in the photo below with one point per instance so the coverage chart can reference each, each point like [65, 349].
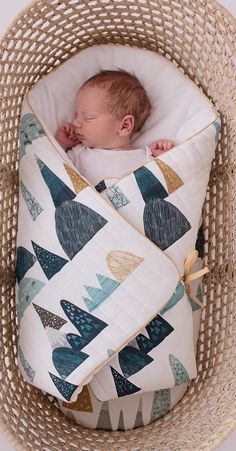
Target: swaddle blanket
[100, 295]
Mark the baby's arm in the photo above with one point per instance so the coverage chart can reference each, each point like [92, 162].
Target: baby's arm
[160, 146]
[66, 136]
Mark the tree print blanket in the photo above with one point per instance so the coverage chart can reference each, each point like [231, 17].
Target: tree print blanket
[100, 290]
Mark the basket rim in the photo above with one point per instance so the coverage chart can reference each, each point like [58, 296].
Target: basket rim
[32, 3]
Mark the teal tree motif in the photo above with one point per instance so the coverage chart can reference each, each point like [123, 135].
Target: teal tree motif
[30, 373]
[66, 360]
[132, 360]
[58, 189]
[179, 372]
[65, 388]
[33, 206]
[101, 186]
[158, 329]
[161, 404]
[24, 261]
[123, 386]
[50, 263]
[28, 289]
[104, 421]
[99, 295]
[30, 129]
[163, 223]
[76, 224]
[217, 126]
[175, 298]
[117, 198]
[199, 246]
[88, 325]
[139, 416]
[150, 187]
[76, 342]
[194, 305]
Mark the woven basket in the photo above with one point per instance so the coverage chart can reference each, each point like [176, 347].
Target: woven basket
[199, 37]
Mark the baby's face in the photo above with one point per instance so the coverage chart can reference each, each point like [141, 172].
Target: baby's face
[95, 126]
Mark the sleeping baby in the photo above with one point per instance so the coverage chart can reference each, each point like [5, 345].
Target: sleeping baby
[110, 107]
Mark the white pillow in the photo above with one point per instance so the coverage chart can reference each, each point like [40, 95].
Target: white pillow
[180, 109]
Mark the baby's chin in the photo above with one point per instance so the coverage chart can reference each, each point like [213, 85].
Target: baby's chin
[85, 142]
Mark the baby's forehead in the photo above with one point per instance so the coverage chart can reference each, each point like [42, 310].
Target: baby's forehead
[87, 90]
[91, 96]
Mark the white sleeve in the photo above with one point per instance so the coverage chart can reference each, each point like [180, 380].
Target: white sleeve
[74, 154]
[148, 153]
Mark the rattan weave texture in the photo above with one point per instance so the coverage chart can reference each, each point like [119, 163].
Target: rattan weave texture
[199, 36]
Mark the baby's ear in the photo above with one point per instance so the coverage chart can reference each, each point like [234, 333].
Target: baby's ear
[126, 125]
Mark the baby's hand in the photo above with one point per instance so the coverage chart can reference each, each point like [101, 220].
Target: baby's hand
[66, 136]
[160, 146]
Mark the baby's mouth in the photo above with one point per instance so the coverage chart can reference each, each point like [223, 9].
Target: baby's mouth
[79, 136]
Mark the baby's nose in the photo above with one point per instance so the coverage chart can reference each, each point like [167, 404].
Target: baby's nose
[77, 123]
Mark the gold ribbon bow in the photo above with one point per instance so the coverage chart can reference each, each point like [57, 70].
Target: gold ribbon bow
[188, 277]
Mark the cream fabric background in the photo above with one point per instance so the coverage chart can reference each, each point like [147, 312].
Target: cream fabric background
[10, 9]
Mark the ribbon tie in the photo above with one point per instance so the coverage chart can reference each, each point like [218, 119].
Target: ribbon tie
[188, 277]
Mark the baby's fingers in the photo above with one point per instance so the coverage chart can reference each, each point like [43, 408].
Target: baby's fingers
[72, 131]
[65, 128]
[155, 145]
[167, 145]
[162, 145]
[68, 127]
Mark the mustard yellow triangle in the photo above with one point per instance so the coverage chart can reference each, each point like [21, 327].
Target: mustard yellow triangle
[83, 402]
[78, 183]
[122, 264]
[172, 179]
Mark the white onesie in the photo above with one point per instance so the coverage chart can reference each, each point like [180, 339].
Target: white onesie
[98, 164]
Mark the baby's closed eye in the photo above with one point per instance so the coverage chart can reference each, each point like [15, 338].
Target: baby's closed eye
[84, 116]
[89, 116]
